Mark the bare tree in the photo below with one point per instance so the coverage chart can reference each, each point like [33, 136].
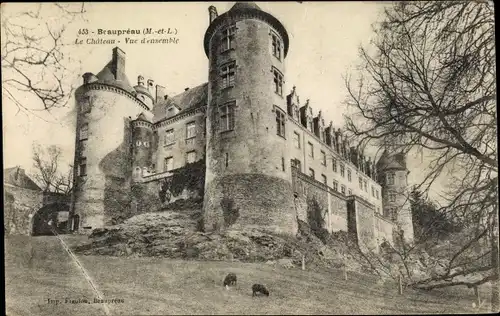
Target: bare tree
[48, 172]
[35, 61]
[428, 86]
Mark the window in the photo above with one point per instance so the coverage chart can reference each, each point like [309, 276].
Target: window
[325, 181]
[190, 130]
[360, 182]
[390, 178]
[392, 197]
[169, 137]
[83, 167]
[335, 186]
[227, 160]
[191, 156]
[342, 170]
[311, 173]
[311, 149]
[310, 125]
[85, 108]
[278, 82]
[296, 139]
[227, 75]
[276, 46]
[169, 164]
[295, 163]
[323, 158]
[282, 163]
[226, 112]
[373, 191]
[342, 189]
[334, 165]
[378, 210]
[227, 39]
[280, 123]
[349, 175]
[376, 194]
[365, 185]
[84, 131]
[349, 192]
[83, 148]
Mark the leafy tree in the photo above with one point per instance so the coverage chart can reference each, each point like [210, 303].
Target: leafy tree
[428, 84]
[429, 223]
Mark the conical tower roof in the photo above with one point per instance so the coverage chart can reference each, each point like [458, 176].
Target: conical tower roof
[392, 161]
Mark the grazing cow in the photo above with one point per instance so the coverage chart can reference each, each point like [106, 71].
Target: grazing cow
[230, 280]
[259, 288]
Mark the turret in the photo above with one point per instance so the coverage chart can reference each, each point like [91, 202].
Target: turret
[212, 13]
[393, 177]
[142, 138]
[247, 161]
[143, 93]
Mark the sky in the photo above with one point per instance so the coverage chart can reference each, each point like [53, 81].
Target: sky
[324, 42]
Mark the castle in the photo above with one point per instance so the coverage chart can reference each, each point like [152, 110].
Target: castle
[263, 148]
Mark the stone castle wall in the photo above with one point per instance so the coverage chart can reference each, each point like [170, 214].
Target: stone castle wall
[19, 204]
[332, 203]
[341, 213]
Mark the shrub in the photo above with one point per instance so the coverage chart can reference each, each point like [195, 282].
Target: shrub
[229, 212]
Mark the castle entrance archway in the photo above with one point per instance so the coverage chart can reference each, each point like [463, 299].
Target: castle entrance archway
[55, 215]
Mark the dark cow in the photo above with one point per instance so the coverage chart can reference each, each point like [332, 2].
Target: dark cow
[230, 279]
[259, 288]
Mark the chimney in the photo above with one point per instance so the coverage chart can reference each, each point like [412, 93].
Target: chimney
[89, 77]
[140, 80]
[151, 84]
[186, 89]
[212, 13]
[160, 93]
[118, 64]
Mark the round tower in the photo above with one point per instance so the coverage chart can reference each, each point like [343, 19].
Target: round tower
[143, 93]
[248, 177]
[393, 176]
[105, 102]
[142, 135]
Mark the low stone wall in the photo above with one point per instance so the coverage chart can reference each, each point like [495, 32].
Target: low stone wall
[19, 207]
[332, 203]
[384, 228]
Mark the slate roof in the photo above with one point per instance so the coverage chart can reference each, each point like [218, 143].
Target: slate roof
[244, 6]
[16, 176]
[193, 98]
[391, 161]
[106, 76]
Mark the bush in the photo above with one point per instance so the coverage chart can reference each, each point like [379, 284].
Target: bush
[229, 212]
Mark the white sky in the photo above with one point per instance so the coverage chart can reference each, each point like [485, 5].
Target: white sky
[324, 41]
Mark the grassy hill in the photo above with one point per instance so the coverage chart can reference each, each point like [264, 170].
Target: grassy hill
[38, 269]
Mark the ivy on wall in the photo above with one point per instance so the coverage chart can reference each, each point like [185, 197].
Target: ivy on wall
[316, 220]
[190, 177]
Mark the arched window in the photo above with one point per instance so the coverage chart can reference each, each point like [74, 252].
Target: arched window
[138, 143]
